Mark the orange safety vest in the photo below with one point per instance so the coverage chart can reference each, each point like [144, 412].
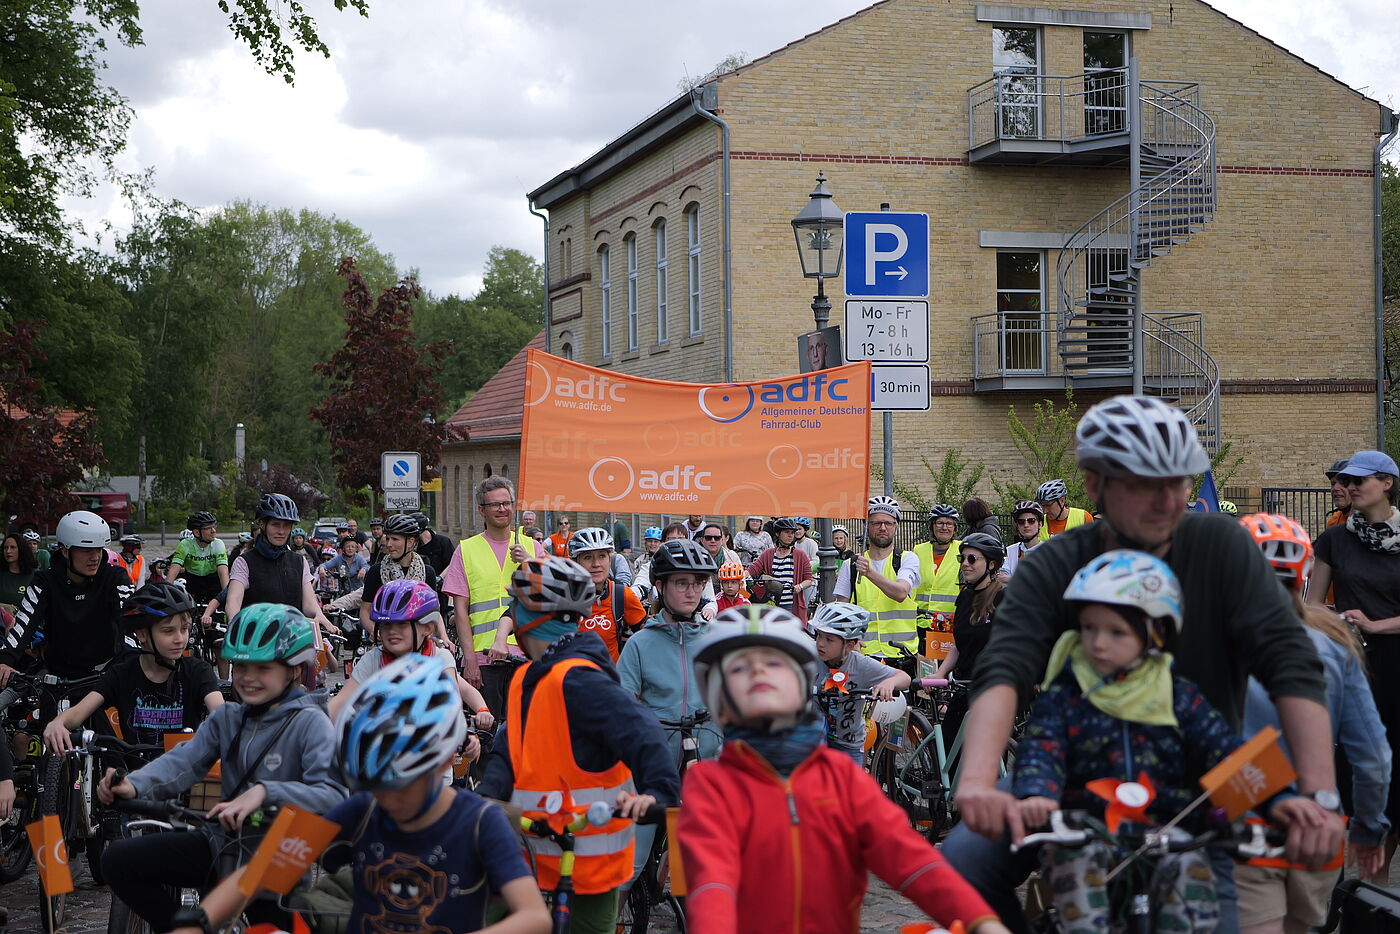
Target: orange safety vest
[543, 762]
[133, 570]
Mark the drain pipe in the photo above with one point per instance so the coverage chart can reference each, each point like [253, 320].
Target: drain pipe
[711, 95]
[548, 324]
[1392, 128]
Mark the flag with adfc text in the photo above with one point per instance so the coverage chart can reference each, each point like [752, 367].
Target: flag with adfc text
[602, 441]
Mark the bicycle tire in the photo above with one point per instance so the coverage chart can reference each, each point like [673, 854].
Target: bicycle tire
[15, 854]
[122, 920]
[910, 766]
[634, 912]
[53, 911]
[93, 851]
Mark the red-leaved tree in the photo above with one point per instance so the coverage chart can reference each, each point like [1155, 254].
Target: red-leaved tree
[384, 389]
[43, 451]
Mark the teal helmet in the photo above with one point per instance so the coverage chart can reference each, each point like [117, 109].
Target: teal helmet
[270, 632]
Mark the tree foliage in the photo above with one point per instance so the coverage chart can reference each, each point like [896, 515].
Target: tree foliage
[384, 389]
[45, 453]
[269, 29]
[1047, 447]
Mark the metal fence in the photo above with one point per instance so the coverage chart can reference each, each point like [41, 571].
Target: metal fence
[1308, 506]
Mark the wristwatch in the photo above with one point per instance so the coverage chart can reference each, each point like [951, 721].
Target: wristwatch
[192, 916]
[1328, 799]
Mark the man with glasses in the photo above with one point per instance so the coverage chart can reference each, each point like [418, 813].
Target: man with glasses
[937, 594]
[883, 581]
[1029, 517]
[478, 580]
[559, 541]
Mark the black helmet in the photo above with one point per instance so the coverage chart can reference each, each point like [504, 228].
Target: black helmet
[990, 546]
[401, 524]
[154, 602]
[278, 506]
[1336, 468]
[199, 520]
[785, 524]
[681, 556]
[421, 519]
[377, 520]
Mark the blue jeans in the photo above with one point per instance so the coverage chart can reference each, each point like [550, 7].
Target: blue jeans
[995, 872]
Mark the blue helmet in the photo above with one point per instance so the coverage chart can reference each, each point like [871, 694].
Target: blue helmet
[805, 522]
[1133, 580]
[652, 532]
[403, 723]
[299, 531]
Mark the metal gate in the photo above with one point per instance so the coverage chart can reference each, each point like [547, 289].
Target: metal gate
[1307, 506]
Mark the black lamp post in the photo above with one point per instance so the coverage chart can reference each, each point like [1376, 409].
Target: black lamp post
[819, 229]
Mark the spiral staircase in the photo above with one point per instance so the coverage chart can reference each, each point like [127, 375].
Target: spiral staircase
[1167, 143]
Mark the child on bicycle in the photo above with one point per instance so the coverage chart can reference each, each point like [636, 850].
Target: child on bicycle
[406, 614]
[423, 857]
[840, 630]
[276, 747]
[1110, 708]
[617, 610]
[781, 831]
[731, 586]
[155, 692]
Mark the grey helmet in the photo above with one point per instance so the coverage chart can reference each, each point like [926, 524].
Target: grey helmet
[845, 620]
[1139, 436]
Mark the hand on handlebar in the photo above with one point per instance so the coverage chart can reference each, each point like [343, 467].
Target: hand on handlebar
[7, 798]
[483, 719]
[233, 813]
[1035, 811]
[1314, 834]
[5, 672]
[109, 790]
[498, 648]
[633, 806]
[990, 811]
[57, 737]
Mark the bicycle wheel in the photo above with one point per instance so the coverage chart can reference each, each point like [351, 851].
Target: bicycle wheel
[15, 854]
[913, 777]
[122, 920]
[634, 912]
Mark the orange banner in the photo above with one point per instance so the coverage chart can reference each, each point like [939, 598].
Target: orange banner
[50, 855]
[1249, 775]
[292, 844]
[601, 441]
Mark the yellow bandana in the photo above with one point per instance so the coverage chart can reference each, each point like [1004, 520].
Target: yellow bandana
[1143, 695]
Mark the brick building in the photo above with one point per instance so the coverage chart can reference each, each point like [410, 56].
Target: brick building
[1248, 245]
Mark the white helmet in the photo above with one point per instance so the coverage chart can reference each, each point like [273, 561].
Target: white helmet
[1139, 436]
[845, 620]
[886, 504]
[83, 529]
[186, 533]
[747, 626]
[887, 712]
[1136, 580]
[590, 539]
[1050, 491]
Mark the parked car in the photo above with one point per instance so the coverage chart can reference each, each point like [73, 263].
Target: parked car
[323, 532]
[114, 507]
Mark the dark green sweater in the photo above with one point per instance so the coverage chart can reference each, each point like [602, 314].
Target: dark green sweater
[1238, 618]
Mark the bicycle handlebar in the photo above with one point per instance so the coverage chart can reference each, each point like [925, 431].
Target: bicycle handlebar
[1241, 840]
[700, 716]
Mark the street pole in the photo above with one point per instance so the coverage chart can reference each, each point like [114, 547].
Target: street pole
[887, 435]
[826, 555]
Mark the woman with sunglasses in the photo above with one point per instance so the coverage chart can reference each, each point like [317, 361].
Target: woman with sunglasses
[980, 558]
[1360, 561]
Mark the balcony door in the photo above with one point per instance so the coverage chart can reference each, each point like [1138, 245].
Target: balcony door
[1021, 303]
[1105, 83]
[1016, 63]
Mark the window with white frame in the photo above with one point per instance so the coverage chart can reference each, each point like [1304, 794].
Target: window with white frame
[631, 292]
[692, 267]
[663, 330]
[605, 292]
[1021, 304]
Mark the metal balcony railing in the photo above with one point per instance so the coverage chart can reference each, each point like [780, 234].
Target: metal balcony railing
[1015, 343]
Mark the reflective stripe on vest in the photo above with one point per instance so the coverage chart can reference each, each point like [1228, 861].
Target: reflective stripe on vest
[541, 757]
[488, 583]
[892, 622]
[1076, 517]
[938, 587]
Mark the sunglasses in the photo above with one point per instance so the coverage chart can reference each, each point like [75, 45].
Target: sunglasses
[1348, 480]
[713, 538]
[972, 557]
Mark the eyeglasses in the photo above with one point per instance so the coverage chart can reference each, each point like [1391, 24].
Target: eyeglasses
[713, 538]
[504, 504]
[689, 585]
[969, 558]
[1026, 520]
[1348, 480]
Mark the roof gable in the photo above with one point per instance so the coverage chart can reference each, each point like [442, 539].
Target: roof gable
[497, 409]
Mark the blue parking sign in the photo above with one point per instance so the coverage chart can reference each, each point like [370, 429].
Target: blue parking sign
[886, 254]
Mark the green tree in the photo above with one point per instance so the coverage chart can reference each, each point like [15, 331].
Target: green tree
[1390, 231]
[1047, 447]
[513, 282]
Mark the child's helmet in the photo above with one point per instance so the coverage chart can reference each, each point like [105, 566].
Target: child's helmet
[804, 521]
[731, 571]
[154, 602]
[653, 532]
[552, 585]
[845, 620]
[590, 539]
[403, 723]
[298, 531]
[749, 626]
[270, 632]
[1285, 544]
[1228, 507]
[405, 601]
[1137, 581]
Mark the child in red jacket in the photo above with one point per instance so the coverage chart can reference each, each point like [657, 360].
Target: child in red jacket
[780, 832]
[731, 585]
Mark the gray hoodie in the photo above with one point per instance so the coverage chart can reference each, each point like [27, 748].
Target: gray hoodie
[658, 665]
[297, 768]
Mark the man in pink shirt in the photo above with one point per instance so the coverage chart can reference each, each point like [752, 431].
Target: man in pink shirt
[478, 580]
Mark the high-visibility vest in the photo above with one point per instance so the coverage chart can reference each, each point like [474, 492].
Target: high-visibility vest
[938, 588]
[892, 622]
[488, 589]
[133, 570]
[1076, 517]
[542, 758]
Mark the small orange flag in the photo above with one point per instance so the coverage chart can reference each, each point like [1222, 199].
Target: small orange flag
[51, 855]
[292, 844]
[1249, 775]
[114, 720]
[673, 854]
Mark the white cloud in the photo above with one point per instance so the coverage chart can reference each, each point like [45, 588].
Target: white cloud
[431, 119]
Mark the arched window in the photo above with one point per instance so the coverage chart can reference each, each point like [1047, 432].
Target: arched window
[632, 338]
[456, 497]
[605, 294]
[663, 330]
[692, 266]
[488, 470]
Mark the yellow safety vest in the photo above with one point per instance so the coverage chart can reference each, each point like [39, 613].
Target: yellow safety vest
[488, 586]
[1076, 517]
[892, 622]
[938, 590]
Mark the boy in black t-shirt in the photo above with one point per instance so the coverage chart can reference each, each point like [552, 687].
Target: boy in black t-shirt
[158, 691]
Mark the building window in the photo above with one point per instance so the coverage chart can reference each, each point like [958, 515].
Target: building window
[605, 292]
[692, 266]
[1105, 82]
[567, 250]
[457, 496]
[663, 331]
[488, 470]
[631, 293]
[1016, 62]
[471, 491]
[1021, 302]
[566, 345]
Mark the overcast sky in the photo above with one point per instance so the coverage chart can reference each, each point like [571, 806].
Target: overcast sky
[432, 118]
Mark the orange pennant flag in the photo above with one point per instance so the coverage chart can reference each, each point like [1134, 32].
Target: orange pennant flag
[292, 844]
[673, 854]
[50, 855]
[1249, 775]
[114, 720]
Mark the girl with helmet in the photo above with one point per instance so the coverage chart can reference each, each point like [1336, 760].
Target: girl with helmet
[616, 610]
[1356, 724]
[731, 585]
[277, 747]
[840, 629]
[570, 725]
[1110, 708]
[157, 691]
[788, 565]
[782, 831]
[405, 616]
[1027, 518]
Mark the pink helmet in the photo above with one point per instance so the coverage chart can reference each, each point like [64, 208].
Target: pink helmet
[405, 601]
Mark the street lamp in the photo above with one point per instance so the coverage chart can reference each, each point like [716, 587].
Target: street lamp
[820, 231]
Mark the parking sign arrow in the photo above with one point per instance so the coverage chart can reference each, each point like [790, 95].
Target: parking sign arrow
[899, 271]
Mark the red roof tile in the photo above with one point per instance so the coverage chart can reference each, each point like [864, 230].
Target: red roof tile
[497, 409]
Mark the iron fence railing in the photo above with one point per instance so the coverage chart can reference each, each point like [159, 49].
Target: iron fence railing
[1307, 506]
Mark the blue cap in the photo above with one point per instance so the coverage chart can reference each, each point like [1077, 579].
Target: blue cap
[1365, 463]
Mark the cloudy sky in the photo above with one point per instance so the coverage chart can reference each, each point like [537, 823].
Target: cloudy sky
[432, 118]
